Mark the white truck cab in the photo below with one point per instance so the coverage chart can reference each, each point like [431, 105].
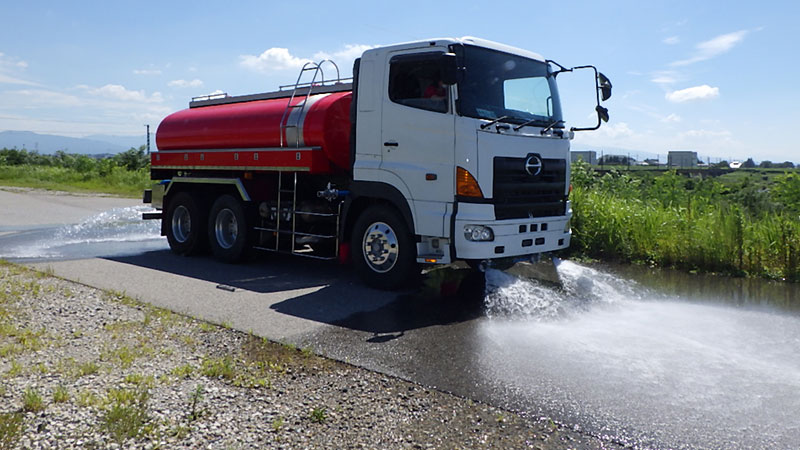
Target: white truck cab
[470, 132]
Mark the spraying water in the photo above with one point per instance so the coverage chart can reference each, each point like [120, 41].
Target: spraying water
[111, 233]
[513, 297]
[604, 354]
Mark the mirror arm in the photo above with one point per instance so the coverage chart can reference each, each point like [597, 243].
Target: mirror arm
[561, 68]
[597, 94]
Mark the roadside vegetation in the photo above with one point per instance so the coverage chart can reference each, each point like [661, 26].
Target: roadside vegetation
[125, 174]
[744, 223]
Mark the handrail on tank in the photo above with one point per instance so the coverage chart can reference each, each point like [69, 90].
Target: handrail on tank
[318, 67]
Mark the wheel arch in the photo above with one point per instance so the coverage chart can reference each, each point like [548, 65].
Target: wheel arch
[364, 194]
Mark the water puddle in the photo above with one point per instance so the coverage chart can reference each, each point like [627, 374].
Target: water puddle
[649, 366]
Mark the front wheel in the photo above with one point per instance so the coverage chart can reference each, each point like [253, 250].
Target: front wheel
[385, 254]
[227, 229]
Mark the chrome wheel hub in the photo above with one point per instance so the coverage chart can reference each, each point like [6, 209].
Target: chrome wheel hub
[181, 224]
[380, 246]
[226, 228]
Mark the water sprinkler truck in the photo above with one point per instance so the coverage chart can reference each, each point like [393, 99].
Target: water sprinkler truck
[434, 151]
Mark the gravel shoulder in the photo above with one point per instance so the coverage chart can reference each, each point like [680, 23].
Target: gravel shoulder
[85, 368]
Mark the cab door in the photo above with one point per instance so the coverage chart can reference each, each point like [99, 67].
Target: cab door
[418, 135]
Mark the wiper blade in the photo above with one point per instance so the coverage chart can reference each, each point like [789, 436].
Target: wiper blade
[493, 121]
[526, 123]
[547, 128]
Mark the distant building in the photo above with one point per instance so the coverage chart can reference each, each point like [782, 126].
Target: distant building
[682, 159]
[650, 162]
[589, 156]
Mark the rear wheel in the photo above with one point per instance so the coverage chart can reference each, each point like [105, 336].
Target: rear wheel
[227, 229]
[185, 224]
[385, 257]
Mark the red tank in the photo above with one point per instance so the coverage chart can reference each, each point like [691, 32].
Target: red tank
[248, 135]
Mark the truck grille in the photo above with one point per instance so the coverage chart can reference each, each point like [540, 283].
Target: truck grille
[518, 195]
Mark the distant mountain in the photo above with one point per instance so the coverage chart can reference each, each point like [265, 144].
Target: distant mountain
[125, 141]
[49, 143]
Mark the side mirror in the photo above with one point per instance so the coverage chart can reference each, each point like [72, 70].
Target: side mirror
[604, 84]
[602, 113]
[449, 68]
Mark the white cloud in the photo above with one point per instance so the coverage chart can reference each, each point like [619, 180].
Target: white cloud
[708, 140]
[42, 97]
[119, 92]
[13, 80]
[147, 72]
[8, 67]
[714, 47]
[276, 59]
[672, 118]
[706, 134]
[185, 84]
[616, 130]
[672, 40]
[348, 54]
[272, 59]
[704, 92]
[665, 77]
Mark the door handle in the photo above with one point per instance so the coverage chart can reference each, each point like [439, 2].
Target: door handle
[390, 144]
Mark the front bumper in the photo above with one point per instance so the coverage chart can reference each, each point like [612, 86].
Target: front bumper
[512, 237]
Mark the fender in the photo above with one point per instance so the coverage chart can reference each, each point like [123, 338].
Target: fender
[237, 183]
[382, 191]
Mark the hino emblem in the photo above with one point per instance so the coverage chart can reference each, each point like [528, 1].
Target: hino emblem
[533, 165]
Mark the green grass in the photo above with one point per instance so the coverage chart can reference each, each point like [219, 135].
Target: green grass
[747, 227]
[318, 415]
[224, 368]
[126, 413]
[184, 371]
[196, 397]
[32, 401]
[118, 181]
[60, 394]
[11, 425]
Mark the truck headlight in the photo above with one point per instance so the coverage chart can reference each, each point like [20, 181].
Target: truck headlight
[478, 233]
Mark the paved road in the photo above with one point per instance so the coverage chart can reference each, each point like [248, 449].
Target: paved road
[645, 370]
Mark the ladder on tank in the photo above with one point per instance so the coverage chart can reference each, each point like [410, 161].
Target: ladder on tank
[288, 112]
[282, 224]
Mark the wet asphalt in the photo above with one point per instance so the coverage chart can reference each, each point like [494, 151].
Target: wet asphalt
[643, 369]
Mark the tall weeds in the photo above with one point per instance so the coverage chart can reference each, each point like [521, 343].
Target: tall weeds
[692, 224]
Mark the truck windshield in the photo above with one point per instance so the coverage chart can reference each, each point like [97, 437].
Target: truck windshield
[497, 84]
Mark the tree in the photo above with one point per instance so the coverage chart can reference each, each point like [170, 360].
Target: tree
[133, 159]
[766, 164]
[616, 160]
[786, 191]
[749, 164]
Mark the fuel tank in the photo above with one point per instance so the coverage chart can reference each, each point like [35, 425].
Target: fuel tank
[322, 122]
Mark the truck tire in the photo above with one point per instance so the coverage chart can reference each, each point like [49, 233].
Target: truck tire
[185, 225]
[384, 254]
[227, 229]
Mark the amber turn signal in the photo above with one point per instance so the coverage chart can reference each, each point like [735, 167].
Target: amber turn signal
[466, 184]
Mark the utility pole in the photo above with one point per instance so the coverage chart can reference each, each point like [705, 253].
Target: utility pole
[148, 138]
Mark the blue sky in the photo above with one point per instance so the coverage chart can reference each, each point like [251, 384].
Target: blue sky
[717, 77]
